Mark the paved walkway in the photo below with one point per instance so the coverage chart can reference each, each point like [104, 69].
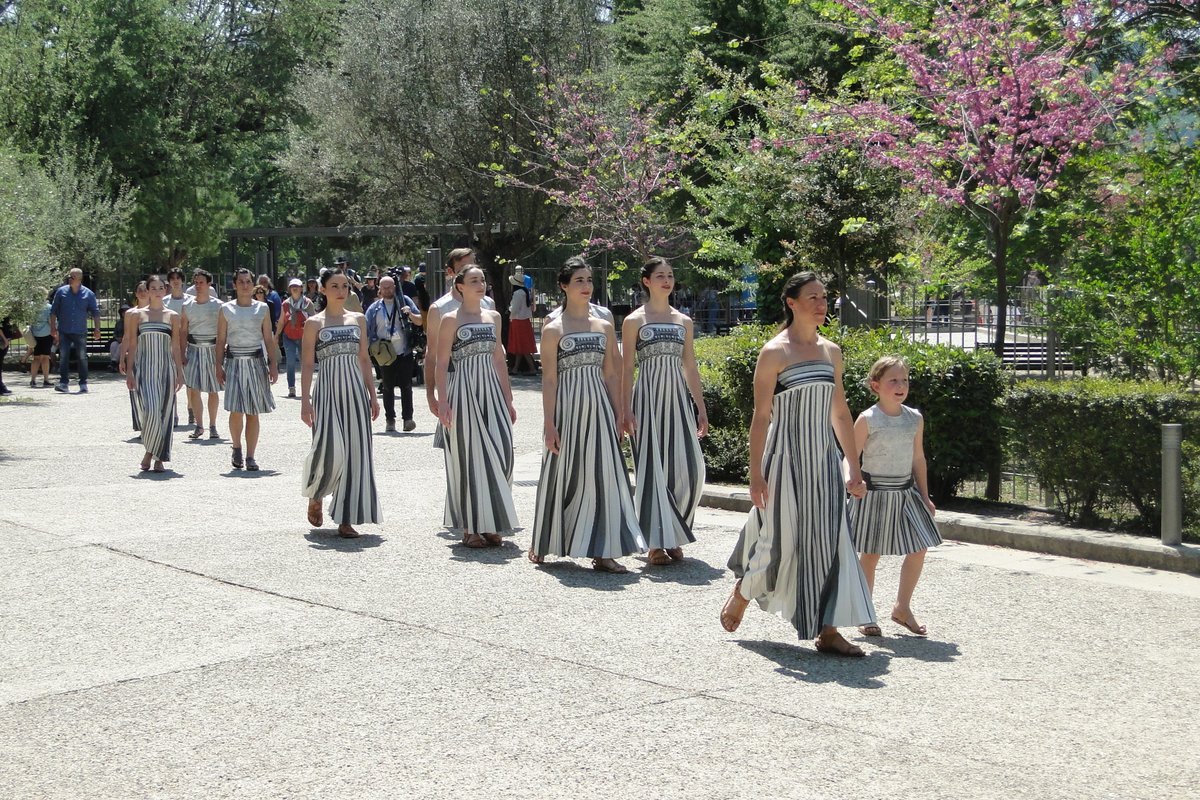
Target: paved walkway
[188, 635]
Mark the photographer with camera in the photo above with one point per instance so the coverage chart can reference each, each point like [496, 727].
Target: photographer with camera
[391, 325]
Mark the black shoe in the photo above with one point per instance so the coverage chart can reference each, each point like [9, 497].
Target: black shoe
[251, 464]
[4, 390]
[236, 460]
[60, 387]
[83, 388]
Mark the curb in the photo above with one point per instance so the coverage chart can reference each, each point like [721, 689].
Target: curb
[1115, 548]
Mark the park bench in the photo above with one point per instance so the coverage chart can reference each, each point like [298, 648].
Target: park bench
[1030, 355]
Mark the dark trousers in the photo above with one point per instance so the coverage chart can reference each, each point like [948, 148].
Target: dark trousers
[398, 374]
[66, 343]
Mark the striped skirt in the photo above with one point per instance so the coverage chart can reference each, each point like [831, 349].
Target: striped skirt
[340, 461]
[479, 452]
[666, 454]
[584, 505]
[154, 382]
[200, 371]
[891, 520]
[247, 389]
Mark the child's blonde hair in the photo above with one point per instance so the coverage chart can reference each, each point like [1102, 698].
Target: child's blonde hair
[880, 368]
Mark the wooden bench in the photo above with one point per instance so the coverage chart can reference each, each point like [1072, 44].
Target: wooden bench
[1030, 355]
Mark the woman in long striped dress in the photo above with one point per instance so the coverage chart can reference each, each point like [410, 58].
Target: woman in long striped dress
[243, 332]
[339, 409]
[475, 405]
[152, 346]
[794, 555]
[584, 505]
[124, 363]
[659, 416]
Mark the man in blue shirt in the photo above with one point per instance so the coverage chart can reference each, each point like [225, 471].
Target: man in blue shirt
[392, 318]
[69, 312]
[274, 302]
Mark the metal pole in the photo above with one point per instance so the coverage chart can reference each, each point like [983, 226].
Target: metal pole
[1172, 479]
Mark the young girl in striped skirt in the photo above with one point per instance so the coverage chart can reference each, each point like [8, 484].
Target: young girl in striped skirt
[664, 416]
[243, 332]
[895, 518]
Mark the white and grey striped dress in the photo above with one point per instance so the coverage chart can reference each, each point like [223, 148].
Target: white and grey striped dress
[795, 556]
[247, 388]
[154, 382]
[444, 305]
[200, 369]
[667, 458]
[479, 445]
[584, 505]
[340, 461]
[891, 520]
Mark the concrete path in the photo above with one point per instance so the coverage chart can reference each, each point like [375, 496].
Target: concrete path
[188, 635]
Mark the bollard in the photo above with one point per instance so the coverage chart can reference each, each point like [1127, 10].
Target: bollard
[1172, 480]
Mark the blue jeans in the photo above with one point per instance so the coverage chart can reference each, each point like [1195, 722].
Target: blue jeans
[291, 351]
[67, 342]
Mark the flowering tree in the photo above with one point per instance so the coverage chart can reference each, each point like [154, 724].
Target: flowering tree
[999, 98]
[608, 165]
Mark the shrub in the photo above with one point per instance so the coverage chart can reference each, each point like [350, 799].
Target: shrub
[957, 391]
[1095, 445]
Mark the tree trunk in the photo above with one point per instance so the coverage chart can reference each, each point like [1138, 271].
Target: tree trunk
[998, 233]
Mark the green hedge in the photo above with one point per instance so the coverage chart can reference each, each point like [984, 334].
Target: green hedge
[1096, 446]
[957, 391]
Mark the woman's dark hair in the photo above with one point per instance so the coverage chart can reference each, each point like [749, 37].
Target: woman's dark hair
[173, 271]
[327, 274]
[792, 288]
[573, 265]
[155, 277]
[461, 277]
[653, 264]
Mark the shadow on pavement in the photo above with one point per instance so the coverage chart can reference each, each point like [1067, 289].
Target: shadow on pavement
[689, 572]
[250, 474]
[322, 539]
[151, 475]
[502, 554]
[918, 648]
[805, 664]
[577, 576]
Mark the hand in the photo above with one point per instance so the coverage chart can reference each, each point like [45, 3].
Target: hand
[550, 436]
[273, 372]
[512, 413]
[758, 491]
[221, 375]
[121, 366]
[630, 427]
[702, 424]
[178, 380]
[54, 336]
[930, 506]
[856, 486]
[446, 414]
[374, 408]
[306, 412]
[129, 382]
[96, 334]
[432, 402]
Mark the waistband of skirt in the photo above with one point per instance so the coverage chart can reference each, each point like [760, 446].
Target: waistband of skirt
[203, 341]
[888, 483]
[233, 352]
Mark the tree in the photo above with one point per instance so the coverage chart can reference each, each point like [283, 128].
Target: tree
[417, 95]
[998, 99]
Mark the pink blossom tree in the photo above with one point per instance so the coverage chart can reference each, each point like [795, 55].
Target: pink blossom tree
[609, 165]
[997, 98]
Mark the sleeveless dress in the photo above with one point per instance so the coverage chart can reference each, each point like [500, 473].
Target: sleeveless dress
[340, 461]
[154, 382]
[584, 506]
[200, 371]
[247, 388]
[891, 520]
[795, 556]
[444, 305]
[479, 445]
[666, 451]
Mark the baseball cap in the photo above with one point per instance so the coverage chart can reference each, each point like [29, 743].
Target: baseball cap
[295, 282]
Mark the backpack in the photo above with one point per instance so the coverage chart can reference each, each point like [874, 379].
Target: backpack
[295, 316]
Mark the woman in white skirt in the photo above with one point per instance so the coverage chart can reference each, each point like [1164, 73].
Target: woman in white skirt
[243, 332]
[152, 337]
[339, 409]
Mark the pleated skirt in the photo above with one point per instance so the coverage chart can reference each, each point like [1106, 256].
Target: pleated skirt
[247, 387]
[794, 557]
[154, 382]
[340, 461]
[891, 521]
[584, 504]
[667, 458]
[200, 371]
[478, 452]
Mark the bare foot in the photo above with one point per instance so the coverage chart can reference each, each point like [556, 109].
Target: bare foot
[145, 465]
[835, 644]
[658, 557]
[908, 620]
[734, 609]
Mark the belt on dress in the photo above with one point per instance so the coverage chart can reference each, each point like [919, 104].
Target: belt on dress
[887, 483]
[202, 341]
[238, 352]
